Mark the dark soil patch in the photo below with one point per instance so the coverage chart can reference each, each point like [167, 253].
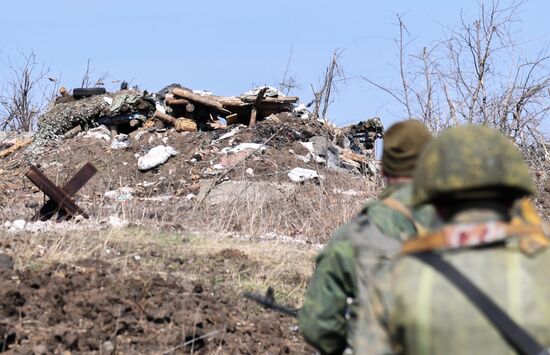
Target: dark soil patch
[95, 307]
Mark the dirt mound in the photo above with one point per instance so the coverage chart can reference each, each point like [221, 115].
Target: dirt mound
[90, 307]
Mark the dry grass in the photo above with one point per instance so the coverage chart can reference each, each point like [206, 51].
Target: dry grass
[237, 265]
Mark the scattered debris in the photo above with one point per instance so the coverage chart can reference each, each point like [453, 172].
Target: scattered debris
[100, 132]
[301, 175]
[155, 157]
[120, 195]
[120, 141]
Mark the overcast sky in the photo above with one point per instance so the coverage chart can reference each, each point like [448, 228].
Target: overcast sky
[228, 47]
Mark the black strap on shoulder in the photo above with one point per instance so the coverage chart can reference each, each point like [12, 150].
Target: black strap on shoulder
[515, 335]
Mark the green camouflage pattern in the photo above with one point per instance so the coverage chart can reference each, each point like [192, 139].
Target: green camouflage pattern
[327, 317]
[409, 308]
[469, 160]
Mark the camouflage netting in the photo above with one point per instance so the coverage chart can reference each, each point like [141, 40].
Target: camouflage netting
[88, 112]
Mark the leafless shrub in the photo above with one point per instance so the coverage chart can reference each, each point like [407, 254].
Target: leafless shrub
[477, 74]
[289, 82]
[87, 80]
[28, 90]
[322, 97]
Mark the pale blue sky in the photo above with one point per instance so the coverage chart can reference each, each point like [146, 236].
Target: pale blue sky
[228, 47]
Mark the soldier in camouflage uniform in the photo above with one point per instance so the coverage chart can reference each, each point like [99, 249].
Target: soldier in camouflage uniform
[329, 311]
[472, 175]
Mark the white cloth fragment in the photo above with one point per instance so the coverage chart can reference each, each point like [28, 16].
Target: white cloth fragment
[302, 174]
[100, 132]
[244, 146]
[155, 157]
[120, 141]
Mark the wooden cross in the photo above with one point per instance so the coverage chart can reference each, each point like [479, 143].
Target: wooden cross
[61, 198]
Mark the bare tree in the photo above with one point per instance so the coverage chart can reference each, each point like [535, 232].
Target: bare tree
[334, 73]
[288, 82]
[28, 89]
[476, 74]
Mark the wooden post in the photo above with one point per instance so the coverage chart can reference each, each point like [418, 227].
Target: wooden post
[254, 112]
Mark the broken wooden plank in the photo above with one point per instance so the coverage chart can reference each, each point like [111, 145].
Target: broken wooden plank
[232, 119]
[254, 112]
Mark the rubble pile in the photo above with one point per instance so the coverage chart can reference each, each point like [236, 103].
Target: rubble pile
[182, 145]
[174, 106]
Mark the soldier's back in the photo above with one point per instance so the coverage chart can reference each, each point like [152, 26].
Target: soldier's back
[429, 315]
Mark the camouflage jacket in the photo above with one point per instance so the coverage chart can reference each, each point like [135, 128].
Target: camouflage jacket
[407, 307]
[329, 311]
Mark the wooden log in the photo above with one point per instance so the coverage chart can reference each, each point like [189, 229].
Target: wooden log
[277, 100]
[229, 102]
[209, 101]
[19, 143]
[253, 115]
[176, 102]
[165, 118]
[72, 132]
[185, 125]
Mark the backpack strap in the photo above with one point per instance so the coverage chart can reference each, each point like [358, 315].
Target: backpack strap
[517, 337]
[399, 207]
[532, 238]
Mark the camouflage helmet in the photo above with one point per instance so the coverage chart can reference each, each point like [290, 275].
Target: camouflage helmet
[470, 162]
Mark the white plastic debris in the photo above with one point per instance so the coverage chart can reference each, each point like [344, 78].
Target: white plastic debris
[244, 146]
[270, 92]
[249, 171]
[108, 100]
[301, 111]
[18, 225]
[120, 141]
[302, 174]
[116, 222]
[160, 108]
[100, 132]
[155, 157]
[121, 194]
[227, 135]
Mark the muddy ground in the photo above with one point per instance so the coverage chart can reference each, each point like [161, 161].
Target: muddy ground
[147, 297]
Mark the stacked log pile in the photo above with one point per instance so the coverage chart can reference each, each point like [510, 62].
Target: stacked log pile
[183, 107]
